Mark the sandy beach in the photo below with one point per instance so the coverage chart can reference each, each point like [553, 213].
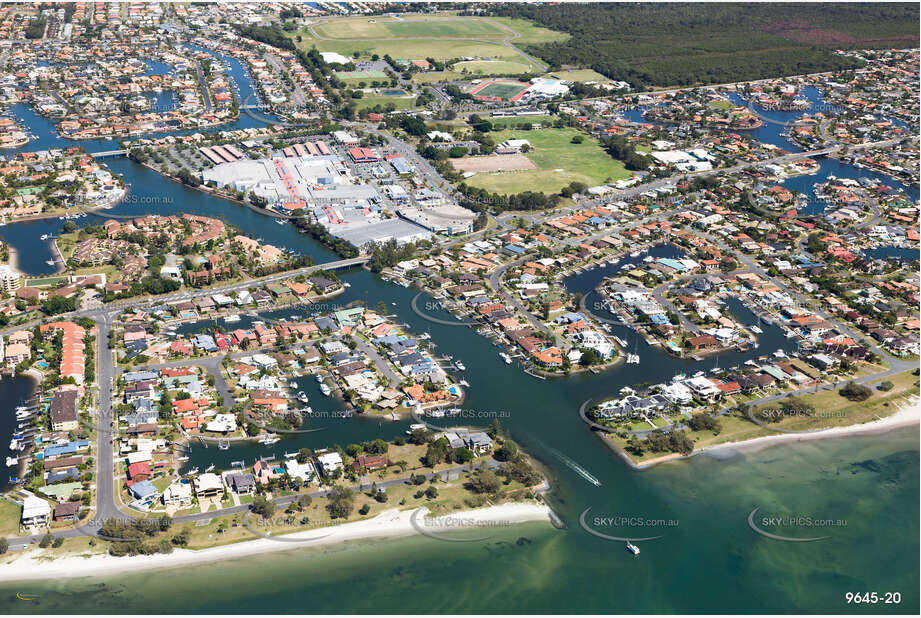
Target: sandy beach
[907, 415]
[31, 565]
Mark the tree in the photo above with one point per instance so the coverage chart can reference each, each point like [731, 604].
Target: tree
[507, 452]
[263, 506]
[589, 358]
[704, 422]
[46, 541]
[4, 546]
[855, 392]
[181, 538]
[341, 502]
[436, 453]
[463, 455]
[484, 482]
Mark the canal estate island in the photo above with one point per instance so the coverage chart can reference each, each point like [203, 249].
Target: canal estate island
[283, 276]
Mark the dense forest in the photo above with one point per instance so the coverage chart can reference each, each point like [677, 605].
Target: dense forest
[682, 44]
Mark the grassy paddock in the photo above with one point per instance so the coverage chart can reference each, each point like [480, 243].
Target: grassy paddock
[409, 49]
[559, 162]
[579, 75]
[410, 26]
[492, 67]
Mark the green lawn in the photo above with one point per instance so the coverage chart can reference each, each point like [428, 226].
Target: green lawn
[511, 122]
[492, 67]
[559, 162]
[378, 27]
[530, 32]
[449, 36]
[370, 100]
[410, 49]
[361, 76]
[432, 77]
[9, 518]
[45, 282]
[578, 75]
[722, 104]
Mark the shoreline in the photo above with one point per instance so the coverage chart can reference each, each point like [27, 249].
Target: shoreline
[32, 565]
[906, 415]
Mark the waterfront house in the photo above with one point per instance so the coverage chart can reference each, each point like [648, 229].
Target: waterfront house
[208, 485]
[242, 483]
[36, 513]
[178, 494]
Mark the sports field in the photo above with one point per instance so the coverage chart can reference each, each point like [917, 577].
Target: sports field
[514, 122]
[370, 100]
[579, 75]
[410, 26]
[360, 75]
[504, 90]
[416, 37]
[412, 49]
[493, 163]
[492, 67]
[558, 161]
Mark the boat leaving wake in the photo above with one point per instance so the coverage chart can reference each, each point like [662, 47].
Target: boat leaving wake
[574, 466]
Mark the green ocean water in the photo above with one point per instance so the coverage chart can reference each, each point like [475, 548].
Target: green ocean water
[711, 561]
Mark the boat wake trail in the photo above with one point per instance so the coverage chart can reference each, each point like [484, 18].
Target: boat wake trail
[574, 466]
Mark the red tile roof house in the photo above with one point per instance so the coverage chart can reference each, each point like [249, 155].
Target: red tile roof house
[182, 348]
[263, 472]
[370, 462]
[139, 471]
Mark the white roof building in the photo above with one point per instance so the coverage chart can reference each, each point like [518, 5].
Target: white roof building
[304, 471]
[330, 462]
[35, 511]
[209, 483]
[139, 457]
[222, 423]
[177, 494]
